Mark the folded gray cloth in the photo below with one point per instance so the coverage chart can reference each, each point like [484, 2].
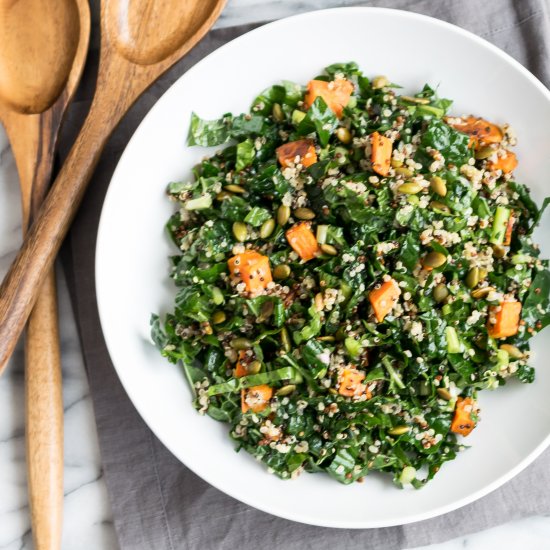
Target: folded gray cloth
[157, 502]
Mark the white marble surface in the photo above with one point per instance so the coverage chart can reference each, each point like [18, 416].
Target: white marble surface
[88, 520]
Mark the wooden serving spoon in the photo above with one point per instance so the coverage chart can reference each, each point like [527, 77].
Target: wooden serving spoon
[44, 47]
[140, 40]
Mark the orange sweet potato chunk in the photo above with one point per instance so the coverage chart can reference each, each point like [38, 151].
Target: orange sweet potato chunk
[463, 420]
[507, 163]
[351, 383]
[256, 398]
[336, 94]
[252, 269]
[303, 241]
[506, 320]
[381, 154]
[384, 298]
[303, 148]
[480, 130]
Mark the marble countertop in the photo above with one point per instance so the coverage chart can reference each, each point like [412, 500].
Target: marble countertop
[87, 516]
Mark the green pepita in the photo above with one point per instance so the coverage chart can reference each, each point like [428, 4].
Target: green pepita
[329, 249]
[434, 259]
[281, 271]
[472, 278]
[285, 340]
[436, 205]
[265, 311]
[479, 293]
[277, 113]
[403, 171]
[438, 185]
[444, 394]
[499, 251]
[254, 368]
[267, 228]
[222, 195]
[410, 188]
[512, 351]
[218, 317]
[440, 293]
[240, 343]
[304, 213]
[396, 163]
[240, 231]
[399, 430]
[484, 152]
[326, 339]
[418, 100]
[380, 81]
[344, 135]
[283, 214]
[235, 188]
[285, 390]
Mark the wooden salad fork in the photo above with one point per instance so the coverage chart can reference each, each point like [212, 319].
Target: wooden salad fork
[43, 53]
[140, 40]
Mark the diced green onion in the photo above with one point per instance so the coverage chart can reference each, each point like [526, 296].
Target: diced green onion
[499, 225]
[453, 342]
[202, 202]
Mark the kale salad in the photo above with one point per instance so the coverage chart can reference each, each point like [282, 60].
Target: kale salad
[353, 267]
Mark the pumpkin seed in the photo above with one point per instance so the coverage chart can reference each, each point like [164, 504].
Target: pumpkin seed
[399, 430]
[436, 205]
[438, 185]
[285, 340]
[482, 292]
[222, 195]
[410, 188]
[499, 251]
[240, 231]
[267, 228]
[277, 113]
[482, 273]
[254, 368]
[380, 82]
[283, 213]
[218, 317]
[240, 343]
[344, 135]
[265, 311]
[444, 394]
[319, 301]
[472, 278]
[281, 271]
[434, 259]
[512, 351]
[403, 171]
[418, 100]
[304, 213]
[329, 249]
[326, 338]
[340, 335]
[235, 188]
[396, 163]
[332, 391]
[285, 390]
[484, 152]
[440, 293]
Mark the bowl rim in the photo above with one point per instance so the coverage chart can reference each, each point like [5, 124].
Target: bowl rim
[103, 235]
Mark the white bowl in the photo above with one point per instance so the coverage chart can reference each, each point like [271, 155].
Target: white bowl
[132, 250]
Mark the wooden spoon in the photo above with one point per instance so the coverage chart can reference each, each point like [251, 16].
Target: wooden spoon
[39, 73]
[140, 40]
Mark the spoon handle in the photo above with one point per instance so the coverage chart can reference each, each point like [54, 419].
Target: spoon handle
[44, 419]
[24, 279]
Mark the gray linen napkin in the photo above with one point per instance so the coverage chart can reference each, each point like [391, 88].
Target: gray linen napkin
[157, 502]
